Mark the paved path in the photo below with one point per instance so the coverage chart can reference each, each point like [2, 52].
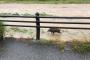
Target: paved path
[15, 50]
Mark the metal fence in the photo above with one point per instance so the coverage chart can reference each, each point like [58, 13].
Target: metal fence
[38, 26]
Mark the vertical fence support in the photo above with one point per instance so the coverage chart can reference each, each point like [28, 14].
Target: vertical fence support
[1, 38]
[37, 26]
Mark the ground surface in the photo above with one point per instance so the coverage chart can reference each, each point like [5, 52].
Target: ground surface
[16, 50]
[56, 10]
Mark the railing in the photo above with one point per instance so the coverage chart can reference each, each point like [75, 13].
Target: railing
[38, 26]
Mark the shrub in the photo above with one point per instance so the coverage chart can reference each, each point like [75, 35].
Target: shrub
[1, 30]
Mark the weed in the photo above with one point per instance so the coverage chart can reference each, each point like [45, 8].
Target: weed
[59, 44]
[81, 46]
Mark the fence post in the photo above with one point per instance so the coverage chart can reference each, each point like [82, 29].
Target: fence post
[37, 26]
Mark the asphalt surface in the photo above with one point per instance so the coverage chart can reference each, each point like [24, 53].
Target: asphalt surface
[17, 50]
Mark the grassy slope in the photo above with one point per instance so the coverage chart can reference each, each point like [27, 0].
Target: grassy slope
[45, 1]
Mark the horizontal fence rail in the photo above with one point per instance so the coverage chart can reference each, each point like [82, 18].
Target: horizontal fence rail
[18, 21]
[50, 27]
[46, 22]
[47, 17]
[38, 22]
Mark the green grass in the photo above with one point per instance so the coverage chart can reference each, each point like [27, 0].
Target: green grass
[16, 14]
[24, 14]
[45, 14]
[19, 30]
[15, 29]
[46, 1]
[81, 44]
[59, 44]
[81, 47]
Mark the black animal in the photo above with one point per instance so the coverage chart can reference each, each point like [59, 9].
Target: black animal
[53, 30]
